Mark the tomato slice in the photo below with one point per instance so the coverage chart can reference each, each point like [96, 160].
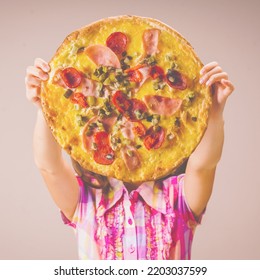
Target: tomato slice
[117, 42]
[80, 99]
[71, 77]
[139, 129]
[135, 76]
[154, 138]
[121, 102]
[138, 107]
[138, 66]
[156, 72]
[176, 80]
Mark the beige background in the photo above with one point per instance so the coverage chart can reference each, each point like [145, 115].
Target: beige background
[225, 31]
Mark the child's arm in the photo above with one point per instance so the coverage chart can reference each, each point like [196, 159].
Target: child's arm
[57, 174]
[202, 163]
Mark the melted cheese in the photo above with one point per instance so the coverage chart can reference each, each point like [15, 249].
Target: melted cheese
[61, 114]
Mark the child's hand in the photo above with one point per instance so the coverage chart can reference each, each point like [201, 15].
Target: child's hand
[212, 75]
[34, 76]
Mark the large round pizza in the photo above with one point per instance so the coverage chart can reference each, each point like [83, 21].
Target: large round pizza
[124, 99]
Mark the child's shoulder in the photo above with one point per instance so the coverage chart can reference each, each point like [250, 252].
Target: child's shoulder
[173, 188]
[174, 180]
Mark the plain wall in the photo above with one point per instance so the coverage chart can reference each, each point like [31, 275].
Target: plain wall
[225, 31]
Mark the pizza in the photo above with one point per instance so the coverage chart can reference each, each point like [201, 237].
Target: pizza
[123, 98]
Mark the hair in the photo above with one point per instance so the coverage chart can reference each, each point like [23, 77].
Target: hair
[98, 181]
[92, 179]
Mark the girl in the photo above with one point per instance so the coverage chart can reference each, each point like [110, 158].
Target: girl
[119, 220]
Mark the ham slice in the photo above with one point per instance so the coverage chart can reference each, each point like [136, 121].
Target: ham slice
[102, 55]
[108, 122]
[145, 71]
[127, 129]
[88, 140]
[131, 157]
[89, 87]
[150, 41]
[162, 105]
[107, 93]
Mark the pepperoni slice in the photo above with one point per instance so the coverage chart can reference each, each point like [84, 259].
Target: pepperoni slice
[71, 77]
[104, 156]
[135, 76]
[139, 129]
[176, 80]
[80, 99]
[154, 137]
[137, 109]
[156, 72]
[104, 153]
[132, 109]
[117, 42]
[101, 138]
[121, 102]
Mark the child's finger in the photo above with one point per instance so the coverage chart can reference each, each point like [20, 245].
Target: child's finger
[207, 75]
[42, 64]
[37, 101]
[32, 92]
[227, 83]
[37, 72]
[32, 81]
[229, 86]
[216, 78]
[208, 67]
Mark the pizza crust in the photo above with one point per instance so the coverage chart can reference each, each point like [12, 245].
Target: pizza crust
[162, 161]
